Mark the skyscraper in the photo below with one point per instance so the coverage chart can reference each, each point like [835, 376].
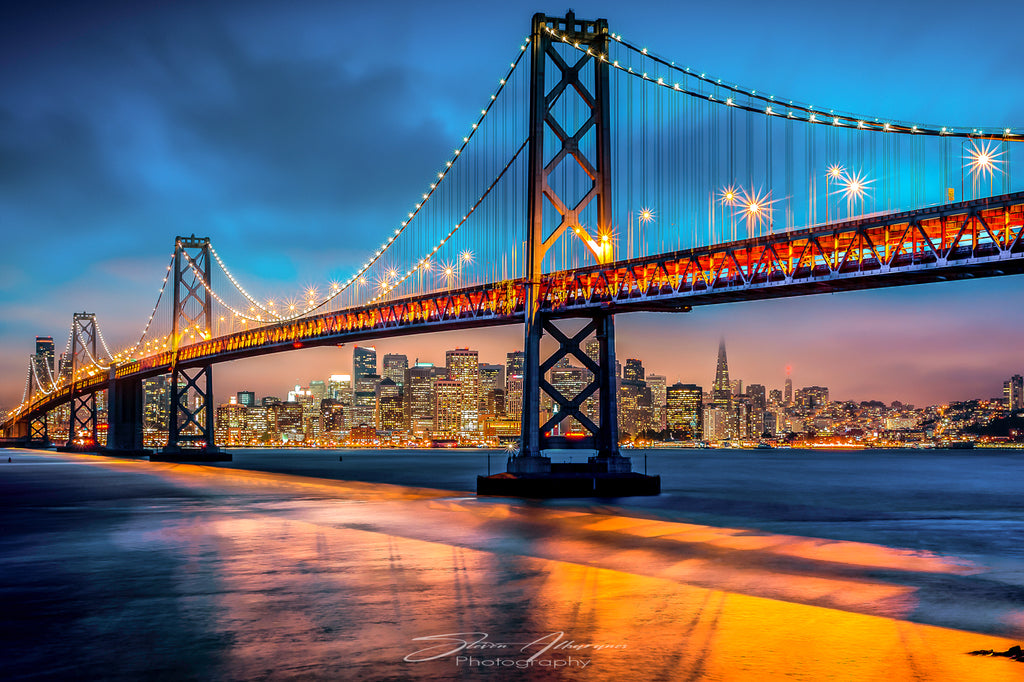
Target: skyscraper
[463, 366]
[634, 370]
[514, 362]
[1013, 392]
[514, 397]
[419, 397]
[757, 396]
[246, 398]
[685, 410]
[492, 383]
[659, 398]
[364, 394]
[390, 415]
[448, 413]
[44, 361]
[394, 369]
[722, 388]
[339, 387]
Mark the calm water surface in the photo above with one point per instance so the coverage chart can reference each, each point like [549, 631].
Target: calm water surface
[293, 565]
[953, 501]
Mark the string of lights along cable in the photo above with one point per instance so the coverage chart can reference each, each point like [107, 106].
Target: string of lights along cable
[697, 164]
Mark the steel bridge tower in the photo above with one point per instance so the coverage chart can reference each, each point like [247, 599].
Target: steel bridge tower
[82, 424]
[191, 424]
[568, 148]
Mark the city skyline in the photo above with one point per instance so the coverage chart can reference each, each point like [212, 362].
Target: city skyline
[126, 125]
[225, 393]
[468, 401]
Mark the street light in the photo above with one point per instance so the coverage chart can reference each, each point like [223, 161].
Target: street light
[835, 173]
[982, 161]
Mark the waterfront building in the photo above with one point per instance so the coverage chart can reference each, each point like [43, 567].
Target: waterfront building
[258, 424]
[634, 407]
[448, 411]
[419, 398]
[156, 404]
[659, 398]
[463, 366]
[334, 425]
[229, 426]
[685, 410]
[716, 423]
[289, 421]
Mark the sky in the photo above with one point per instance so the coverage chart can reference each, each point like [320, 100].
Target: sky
[295, 134]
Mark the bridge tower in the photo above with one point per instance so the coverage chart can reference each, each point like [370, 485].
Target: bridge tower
[82, 424]
[191, 424]
[592, 157]
[37, 427]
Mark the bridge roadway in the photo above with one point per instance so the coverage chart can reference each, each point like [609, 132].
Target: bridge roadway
[977, 238]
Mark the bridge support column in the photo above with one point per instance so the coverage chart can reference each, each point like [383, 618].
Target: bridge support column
[82, 424]
[191, 432]
[533, 473]
[124, 416]
[603, 436]
[38, 430]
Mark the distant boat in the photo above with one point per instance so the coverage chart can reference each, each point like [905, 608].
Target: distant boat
[764, 446]
[443, 443]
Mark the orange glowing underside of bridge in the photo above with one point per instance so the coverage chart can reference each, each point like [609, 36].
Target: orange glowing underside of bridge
[984, 237]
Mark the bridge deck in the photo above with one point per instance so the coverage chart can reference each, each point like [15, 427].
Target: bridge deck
[976, 238]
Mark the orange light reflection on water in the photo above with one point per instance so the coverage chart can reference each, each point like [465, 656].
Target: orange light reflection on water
[303, 577]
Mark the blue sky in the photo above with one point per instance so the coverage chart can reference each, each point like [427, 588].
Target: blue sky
[287, 132]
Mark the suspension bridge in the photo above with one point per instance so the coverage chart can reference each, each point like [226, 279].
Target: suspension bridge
[598, 177]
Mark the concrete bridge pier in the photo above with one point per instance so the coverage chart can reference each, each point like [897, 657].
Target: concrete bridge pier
[124, 417]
